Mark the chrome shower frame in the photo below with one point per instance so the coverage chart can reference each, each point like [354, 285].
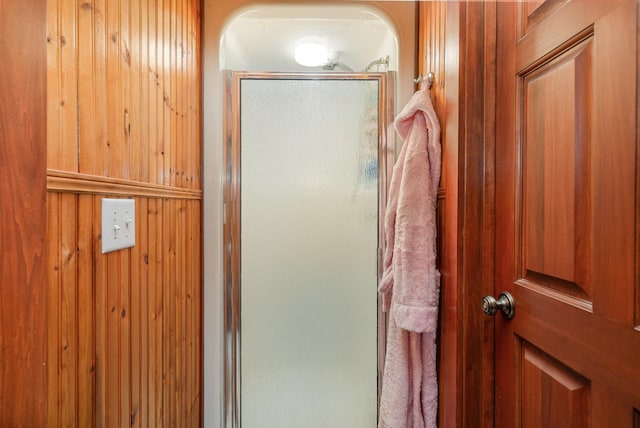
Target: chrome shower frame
[231, 207]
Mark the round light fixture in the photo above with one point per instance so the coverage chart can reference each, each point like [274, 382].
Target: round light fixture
[311, 54]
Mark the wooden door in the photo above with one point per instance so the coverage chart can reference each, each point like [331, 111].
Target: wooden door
[566, 214]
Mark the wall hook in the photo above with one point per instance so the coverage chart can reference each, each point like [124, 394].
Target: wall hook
[429, 78]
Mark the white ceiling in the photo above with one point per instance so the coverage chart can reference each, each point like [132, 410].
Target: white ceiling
[264, 38]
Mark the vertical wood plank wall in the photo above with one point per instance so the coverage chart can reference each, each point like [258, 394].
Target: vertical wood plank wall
[124, 120]
[432, 28]
[22, 212]
[457, 43]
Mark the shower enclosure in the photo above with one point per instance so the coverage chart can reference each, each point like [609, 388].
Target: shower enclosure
[306, 160]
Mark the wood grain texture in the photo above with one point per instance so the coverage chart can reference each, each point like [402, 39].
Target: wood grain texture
[122, 98]
[557, 194]
[431, 41]
[457, 43]
[552, 394]
[586, 151]
[124, 328]
[23, 293]
[125, 343]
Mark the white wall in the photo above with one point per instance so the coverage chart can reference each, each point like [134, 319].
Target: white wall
[216, 13]
[265, 38]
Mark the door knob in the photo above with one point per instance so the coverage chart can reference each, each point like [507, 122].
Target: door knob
[504, 304]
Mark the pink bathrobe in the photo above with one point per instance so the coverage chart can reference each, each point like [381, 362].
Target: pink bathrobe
[410, 283]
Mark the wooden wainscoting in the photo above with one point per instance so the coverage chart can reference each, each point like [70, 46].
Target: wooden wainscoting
[124, 328]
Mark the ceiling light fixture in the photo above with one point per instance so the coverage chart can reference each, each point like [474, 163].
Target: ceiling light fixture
[311, 54]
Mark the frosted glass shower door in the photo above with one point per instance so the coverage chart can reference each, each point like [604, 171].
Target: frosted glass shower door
[308, 186]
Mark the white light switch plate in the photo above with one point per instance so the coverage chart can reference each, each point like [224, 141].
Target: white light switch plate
[118, 224]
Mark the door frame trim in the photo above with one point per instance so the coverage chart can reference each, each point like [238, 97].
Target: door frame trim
[466, 343]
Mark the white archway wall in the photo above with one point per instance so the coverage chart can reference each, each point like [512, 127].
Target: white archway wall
[216, 14]
[264, 38]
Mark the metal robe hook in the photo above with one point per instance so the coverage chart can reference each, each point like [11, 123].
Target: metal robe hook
[429, 78]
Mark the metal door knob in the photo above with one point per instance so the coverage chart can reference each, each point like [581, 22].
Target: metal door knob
[504, 304]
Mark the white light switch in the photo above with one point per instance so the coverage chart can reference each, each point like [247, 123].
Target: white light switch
[118, 224]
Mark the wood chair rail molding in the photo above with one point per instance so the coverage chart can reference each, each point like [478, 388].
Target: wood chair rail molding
[68, 182]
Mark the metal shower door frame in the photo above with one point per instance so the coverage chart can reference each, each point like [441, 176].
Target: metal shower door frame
[231, 215]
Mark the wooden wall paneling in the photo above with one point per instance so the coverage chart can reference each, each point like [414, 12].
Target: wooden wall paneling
[190, 363]
[165, 86]
[138, 317]
[179, 73]
[179, 94]
[134, 122]
[171, 90]
[195, 314]
[69, 86]
[63, 324]
[463, 93]
[198, 102]
[112, 352]
[134, 315]
[186, 111]
[144, 78]
[53, 301]
[113, 95]
[176, 301]
[145, 334]
[129, 322]
[23, 265]
[121, 292]
[174, 35]
[185, 78]
[86, 311]
[156, 167]
[184, 114]
[431, 52]
[98, 150]
[127, 153]
[436, 34]
[101, 316]
[89, 74]
[195, 102]
[153, 124]
[54, 142]
[166, 92]
[156, 232]
[167, 315]
[197, 266]
[62, 138]
[68, 311]
[192, 101]
[181, 355]
[181, 313]
[124, 333]
[180, 241]
[184, 369]
[188, 95]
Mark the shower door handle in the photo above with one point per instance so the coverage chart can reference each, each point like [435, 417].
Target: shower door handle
[504, 304]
